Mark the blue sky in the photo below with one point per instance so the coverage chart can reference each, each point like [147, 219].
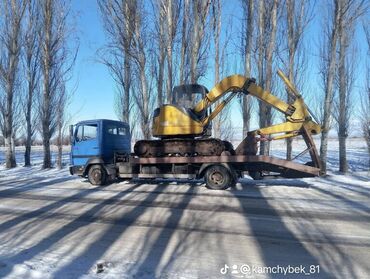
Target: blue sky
[94, 96]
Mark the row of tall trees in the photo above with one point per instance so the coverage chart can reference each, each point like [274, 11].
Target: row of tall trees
[155, 45]
[35, 64]
[152, 46]
[365, 108]
[141, 54]
[338, 70]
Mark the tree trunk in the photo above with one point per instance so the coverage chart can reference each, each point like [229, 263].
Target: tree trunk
[46, 102]
[344, 79]
[329, 87]
[9, 154]
[9, 64]
[246, 105]
[291, 45]
[127, 81]
[10, 161]
[59, 141]
[216, 33]
[145, 124]
[46, 148]
[169, 74]
[32, 68]
[199, 15]
[195, 46]
[265, 110]
[184, 42]
[160, 76]
[343, 166]
[169, 48]
[27, 153]
[161, 53]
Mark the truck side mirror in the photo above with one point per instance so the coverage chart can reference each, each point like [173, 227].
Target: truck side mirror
[71, 134]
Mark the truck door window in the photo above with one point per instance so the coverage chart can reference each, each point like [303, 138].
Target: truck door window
[86, 132]
[79, 133]
[89, 132]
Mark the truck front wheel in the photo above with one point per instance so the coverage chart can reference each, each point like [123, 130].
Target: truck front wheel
[97, 175]
[218, 178]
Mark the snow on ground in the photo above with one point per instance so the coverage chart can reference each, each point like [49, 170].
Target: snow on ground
[56, 226]
[357, 155]
[36, 155]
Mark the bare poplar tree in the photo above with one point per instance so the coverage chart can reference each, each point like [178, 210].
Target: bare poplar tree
[60, 118]
[216, 28]
[345, 82]
[63, 100]
[297, 18]
[171, 13]
[248, 11]
[365, 96]
[222, 126]
[118, 21]
[345, 77]
[140, 56]
[339, 11]
[12, 13]
[365, 112]
[328, 72]
[267, 26]
[261, 42]
[199, 14]
[365, 121]
[160, 35]
[56, 62]
[31, 60]
[184, 42]
[352, 10]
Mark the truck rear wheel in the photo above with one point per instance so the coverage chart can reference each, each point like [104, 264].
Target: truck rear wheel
[97, 175]
[218, 178]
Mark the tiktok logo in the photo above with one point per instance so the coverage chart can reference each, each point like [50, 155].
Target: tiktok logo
[224, 269]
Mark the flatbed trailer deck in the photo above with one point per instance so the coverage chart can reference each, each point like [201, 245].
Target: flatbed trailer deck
[241, 162]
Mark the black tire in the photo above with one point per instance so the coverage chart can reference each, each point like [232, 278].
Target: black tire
[97, 175]
[218, 177]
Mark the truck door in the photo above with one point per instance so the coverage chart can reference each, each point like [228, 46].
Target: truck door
[85, 144]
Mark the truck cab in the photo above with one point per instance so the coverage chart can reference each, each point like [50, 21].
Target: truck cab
[94, 145]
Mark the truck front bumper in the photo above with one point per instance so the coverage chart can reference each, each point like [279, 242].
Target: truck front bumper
[76, 170]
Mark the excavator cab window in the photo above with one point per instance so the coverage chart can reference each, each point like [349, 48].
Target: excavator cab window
[188, 95]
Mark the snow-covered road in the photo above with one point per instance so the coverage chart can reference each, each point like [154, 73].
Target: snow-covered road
[56, 226]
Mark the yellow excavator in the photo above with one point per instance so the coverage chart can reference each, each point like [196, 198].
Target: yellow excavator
[185, 130]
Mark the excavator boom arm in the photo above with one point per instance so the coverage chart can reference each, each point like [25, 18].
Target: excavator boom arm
[296, 113]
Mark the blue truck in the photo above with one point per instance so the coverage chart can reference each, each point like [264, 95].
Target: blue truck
[94, 145]
[101, 151]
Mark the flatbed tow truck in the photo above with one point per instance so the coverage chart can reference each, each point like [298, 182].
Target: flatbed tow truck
[101, 149]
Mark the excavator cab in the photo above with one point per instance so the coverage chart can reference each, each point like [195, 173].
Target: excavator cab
[179, 118]
[187, 96]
